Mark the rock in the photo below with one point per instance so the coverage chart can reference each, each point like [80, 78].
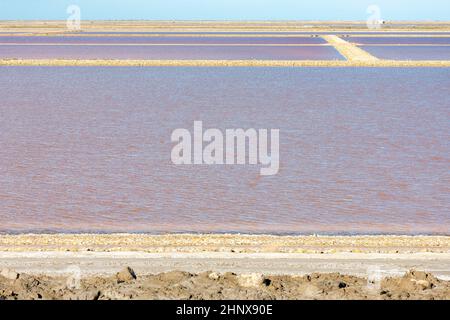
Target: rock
[213, 276]
[250, 280]
[125, 275]
[420, 275]
[424, 284]
[73, 282]
[421, 279]
[267, 282]
[311, 291]
[90, 295]
[111, 294]
[9, 274]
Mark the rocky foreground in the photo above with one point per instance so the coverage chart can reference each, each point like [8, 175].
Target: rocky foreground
[210, 285]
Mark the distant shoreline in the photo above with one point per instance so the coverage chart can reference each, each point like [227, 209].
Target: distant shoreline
[354, 56]
[229, 26]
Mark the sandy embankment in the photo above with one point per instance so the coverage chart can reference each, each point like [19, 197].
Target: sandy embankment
[224, 266]
[238, 243]
[350, 51]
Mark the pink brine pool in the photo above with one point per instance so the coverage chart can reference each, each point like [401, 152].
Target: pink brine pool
[410, 52]
[184, 52]
[167, 47]
[362, 150]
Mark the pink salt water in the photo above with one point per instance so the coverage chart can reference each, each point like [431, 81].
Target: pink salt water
[362, 150]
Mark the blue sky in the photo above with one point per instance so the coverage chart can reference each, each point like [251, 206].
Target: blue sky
[226, 9]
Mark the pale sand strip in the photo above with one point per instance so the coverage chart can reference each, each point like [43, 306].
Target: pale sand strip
[105, 254]
[164, 35]
[350, 51]
[276, 34]
[224, 63]
[112, 44]
[108, 263]
[192, 243]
